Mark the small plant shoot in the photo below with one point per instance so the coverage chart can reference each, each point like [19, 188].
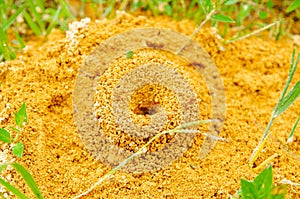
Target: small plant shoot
[21, 119]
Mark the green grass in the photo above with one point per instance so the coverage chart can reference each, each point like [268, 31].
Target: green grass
[285, 100]
[21, 18]
[16, 18]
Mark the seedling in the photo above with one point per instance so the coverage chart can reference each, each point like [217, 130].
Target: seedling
[17, 150]
[261, 187]
[284, 102]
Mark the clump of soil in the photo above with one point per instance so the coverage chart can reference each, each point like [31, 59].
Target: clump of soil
[253, 70]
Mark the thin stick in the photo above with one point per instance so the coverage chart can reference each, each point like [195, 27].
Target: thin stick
[253, 33]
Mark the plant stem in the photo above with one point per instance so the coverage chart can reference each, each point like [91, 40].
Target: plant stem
[261, 144]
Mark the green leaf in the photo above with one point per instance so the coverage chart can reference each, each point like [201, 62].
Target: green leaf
[18, 149]
[261, 187]
[21, 116]
[270, 4]
[129, 54]
[263, 15]
[293, 6]
[168, 10]
[222, 18]
[248, 190]
[288, 100]
[12, 189]
[263, 182]
[28, 179]
[5, 135]
[231, 2]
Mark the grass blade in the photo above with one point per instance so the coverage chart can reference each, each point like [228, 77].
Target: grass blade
[33, 26]
[288, 100]
[283, 102]
[14, 17]
[293, 6]
[28, 179]
[66, 8]
[290, 139]
[37, 16]
[5, 136]
[293, 67]
[53, 21]
[20, 40]
[12, 189]
[5, 50]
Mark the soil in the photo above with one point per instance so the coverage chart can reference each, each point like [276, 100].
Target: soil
[253, 71]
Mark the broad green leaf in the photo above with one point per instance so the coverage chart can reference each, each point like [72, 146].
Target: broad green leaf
[293, 6]
[288, 100]
[168, 10]
[231, 2]
[21, 116]
[263, 182]
[248, 190]
[290, 139]
[28, 179]
[222, 18]
[18, 149]
[13, 189]
[270, 4]
[5, 135]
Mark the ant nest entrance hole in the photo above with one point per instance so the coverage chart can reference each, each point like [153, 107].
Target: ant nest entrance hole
[154, 99]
